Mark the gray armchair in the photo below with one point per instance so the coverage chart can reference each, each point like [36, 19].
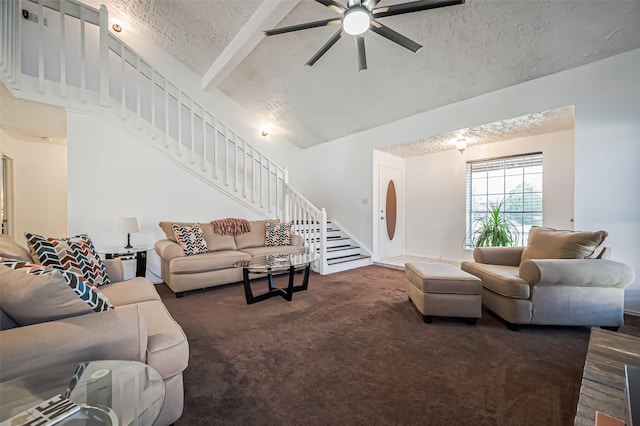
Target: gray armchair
[560, 278]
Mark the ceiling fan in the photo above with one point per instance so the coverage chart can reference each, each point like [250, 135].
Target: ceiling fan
[358, 17]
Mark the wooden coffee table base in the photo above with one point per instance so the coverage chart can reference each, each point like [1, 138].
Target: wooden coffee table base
[286, 293]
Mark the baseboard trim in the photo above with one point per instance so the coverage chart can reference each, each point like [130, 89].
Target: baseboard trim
[630, 312]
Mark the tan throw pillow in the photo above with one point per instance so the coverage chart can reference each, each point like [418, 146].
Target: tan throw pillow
[549, 243]
[32, 294]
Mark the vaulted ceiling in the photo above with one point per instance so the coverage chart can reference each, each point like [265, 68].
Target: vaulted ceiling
[470, 49]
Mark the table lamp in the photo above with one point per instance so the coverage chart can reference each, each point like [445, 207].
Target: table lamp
[128, 225]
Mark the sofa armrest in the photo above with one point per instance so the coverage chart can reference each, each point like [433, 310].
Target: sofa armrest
[576, 272]
[119, 334]
[168, 249]
[115, 270]
[297, 240]
[507, 256]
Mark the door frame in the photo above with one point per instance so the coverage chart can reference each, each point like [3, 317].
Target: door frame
[391, 161]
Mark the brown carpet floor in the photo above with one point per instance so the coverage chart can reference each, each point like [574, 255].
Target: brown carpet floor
[353, 351]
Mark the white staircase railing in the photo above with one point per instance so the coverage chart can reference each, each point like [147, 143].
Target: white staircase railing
[310, 222]
[70, 58]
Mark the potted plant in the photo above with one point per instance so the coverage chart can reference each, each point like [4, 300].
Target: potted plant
[494, 230]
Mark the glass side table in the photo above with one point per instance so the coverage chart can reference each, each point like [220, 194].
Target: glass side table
[139, 254]
[108, 392]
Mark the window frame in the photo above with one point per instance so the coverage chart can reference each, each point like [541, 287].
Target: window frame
[504, 164]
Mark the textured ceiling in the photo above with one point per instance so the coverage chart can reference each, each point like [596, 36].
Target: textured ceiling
[517, 127]
[193, 31]
[470, 49]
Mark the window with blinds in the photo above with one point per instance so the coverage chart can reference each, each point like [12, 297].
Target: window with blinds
[516, 182]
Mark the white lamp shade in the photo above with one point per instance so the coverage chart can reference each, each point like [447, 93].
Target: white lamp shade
[128, 225]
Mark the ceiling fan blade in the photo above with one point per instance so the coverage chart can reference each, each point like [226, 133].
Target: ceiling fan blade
[333, 40]
[305, 26]
[370, 4]
[362, 57]
[394, 36]
[337, 7]
[413, 6]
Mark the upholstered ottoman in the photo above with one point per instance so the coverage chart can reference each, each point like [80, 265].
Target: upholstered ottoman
[442, 290]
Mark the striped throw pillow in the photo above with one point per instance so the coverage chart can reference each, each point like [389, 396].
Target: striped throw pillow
[278, 234]
[74, 254]
[190, 238]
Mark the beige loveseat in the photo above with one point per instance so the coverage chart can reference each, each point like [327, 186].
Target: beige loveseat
[182, 273]
[560, 278]
[139, 328]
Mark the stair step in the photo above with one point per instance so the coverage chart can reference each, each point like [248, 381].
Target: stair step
[338, 248]
[342, 251]
[346, 259]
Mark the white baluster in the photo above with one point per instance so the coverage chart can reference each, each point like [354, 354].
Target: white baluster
[123, 90]
[179, 147]
[226, 158]
[235, 162]
[41, 47]
[83, 54]
[215, 148]
[166, 113]
[139, 77]
[193, 131]
[261, 193]
[244, 168]
[153, 104]
[204, 140]
[104, 55]
[63, 51]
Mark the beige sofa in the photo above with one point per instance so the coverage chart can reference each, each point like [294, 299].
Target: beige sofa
[182, 273]
[560, 278]
[139, 329]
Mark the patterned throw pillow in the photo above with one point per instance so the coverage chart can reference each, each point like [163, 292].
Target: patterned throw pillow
[97, 301]
[278, 234]
[74, 254]
[190, 238]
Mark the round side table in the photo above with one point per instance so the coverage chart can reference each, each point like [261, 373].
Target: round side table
[108, 392]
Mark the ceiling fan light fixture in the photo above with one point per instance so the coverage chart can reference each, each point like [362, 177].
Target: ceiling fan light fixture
[356, 20]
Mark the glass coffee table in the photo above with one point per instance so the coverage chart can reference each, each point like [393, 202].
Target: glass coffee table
[276, 264]
[107, 393]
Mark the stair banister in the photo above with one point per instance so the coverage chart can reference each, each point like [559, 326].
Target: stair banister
[146, 101]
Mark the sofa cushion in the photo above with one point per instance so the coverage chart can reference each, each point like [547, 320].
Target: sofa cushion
[549, 243]
[75, 254]
[256, 237]
[190, 239]
[214, 241]
[500, 279]
[128, 292]
[167, 346]
[277, 234]
[33, 294]
[261, 251]
[432, 277]
[12, 250]
[206, 262]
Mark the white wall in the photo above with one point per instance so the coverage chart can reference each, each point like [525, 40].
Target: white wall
[112, 175]
[436, 192]
[606, 96]
[40, 186]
